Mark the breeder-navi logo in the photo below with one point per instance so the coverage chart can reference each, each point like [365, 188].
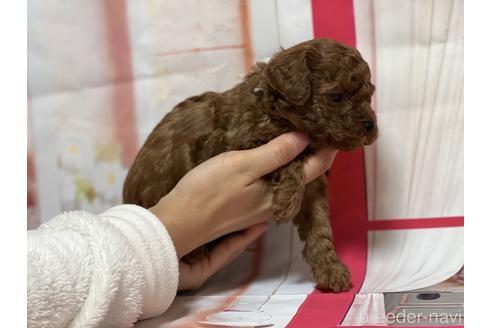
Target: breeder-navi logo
[435, 308]
[405, 317]
[435, 318]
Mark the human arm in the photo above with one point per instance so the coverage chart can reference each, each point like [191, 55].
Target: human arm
[104, 270]
[112, 269]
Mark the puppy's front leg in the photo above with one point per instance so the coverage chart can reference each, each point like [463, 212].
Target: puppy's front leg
[315, 230]
[288, 190]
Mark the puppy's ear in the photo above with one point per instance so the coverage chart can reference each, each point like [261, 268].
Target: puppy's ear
[288, 74]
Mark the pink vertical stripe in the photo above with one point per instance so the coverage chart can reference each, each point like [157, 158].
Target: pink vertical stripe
[119, 51]
[347, 189]
[334, 20]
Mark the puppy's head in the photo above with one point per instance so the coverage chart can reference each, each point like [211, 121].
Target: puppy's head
[323, 88]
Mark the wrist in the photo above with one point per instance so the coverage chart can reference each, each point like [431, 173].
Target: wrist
[183, 229]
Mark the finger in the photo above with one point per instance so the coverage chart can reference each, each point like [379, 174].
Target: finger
[274, 154]
[186, 278]
[231, 247]
[319, 163]
[193, 275]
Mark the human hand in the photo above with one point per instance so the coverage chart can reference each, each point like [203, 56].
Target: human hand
[193, 274]
[226, 193]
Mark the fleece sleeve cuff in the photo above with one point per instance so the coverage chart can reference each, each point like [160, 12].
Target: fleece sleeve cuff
[155, 249]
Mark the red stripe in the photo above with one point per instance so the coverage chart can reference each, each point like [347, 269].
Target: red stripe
[422, 223]
[322, 310]
[347, 189]
[348, 212]
[119, 51]
[334, 20]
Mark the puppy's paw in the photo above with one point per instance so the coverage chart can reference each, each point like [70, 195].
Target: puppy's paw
[335, 277]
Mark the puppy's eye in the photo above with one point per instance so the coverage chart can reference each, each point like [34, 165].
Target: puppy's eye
[336, 97]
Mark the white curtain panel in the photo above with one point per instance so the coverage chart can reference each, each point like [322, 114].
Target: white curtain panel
[402, 260]
[415, 170]
[276, 24]
[415, 50]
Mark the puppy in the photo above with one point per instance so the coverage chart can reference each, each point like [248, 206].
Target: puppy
[321, 88]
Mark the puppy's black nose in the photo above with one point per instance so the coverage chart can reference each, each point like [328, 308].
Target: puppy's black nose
[369, 126]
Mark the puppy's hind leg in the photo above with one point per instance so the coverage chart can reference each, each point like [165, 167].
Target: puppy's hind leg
[315, 230]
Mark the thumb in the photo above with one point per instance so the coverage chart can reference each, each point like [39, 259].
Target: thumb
[276, 153]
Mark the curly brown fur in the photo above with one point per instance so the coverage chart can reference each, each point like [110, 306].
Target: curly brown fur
[320, 87]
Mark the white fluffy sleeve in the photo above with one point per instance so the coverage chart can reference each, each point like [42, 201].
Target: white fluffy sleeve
[105, 270]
